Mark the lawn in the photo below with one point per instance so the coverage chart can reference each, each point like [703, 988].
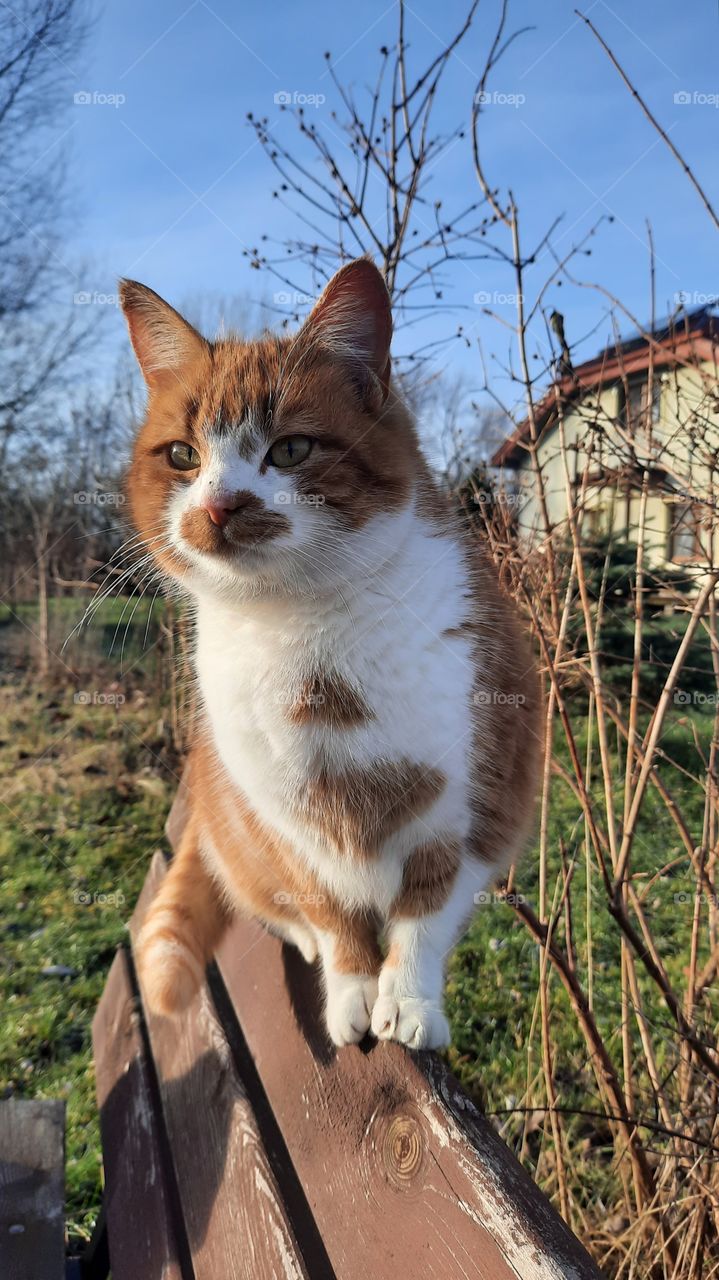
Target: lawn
[87, 774]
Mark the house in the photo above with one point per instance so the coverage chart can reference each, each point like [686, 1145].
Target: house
[647, 406]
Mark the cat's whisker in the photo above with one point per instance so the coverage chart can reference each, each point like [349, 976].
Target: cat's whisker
[115, 562]
[113, 584]
[146, 583]
[89, 613]
[148, 572]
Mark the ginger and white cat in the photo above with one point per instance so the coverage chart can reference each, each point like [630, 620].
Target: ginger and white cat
[367, 750]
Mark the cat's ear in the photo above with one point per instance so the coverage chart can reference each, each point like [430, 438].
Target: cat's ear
[164, 343]
[353, 320]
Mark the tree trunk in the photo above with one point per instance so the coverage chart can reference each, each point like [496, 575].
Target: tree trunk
[43, 620]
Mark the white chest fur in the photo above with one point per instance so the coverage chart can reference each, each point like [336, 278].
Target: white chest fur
[384, 636]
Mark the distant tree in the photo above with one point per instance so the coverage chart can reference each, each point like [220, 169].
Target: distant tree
[39, 40]
[63, 503]
[468, 432]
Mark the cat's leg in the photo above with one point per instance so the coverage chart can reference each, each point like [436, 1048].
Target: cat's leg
[301, 936]
[181, 931]
[351, 961]
[420, 934]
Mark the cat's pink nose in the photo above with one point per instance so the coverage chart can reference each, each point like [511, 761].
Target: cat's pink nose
[224, 503]
[220, 510]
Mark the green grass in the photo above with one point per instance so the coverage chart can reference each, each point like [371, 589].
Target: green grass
[123, 632]
[84, 801]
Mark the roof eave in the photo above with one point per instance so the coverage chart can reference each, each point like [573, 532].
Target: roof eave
[597, 373]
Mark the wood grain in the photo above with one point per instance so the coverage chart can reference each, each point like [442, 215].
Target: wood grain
[143, 1231]
[237, 1224]
[32, 1190]
[401, 1172]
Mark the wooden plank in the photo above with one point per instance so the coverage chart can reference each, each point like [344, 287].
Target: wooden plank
[236, 1221]
[401, 1172]
[32, 1189]
[145, 1237]
[370, 1124]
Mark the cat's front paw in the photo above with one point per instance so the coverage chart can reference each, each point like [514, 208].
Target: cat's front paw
[349, 1008]
[411, 1021]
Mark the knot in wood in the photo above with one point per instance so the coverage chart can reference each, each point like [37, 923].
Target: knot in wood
[403, 1150]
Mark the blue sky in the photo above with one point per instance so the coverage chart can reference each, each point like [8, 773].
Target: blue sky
[170, 186]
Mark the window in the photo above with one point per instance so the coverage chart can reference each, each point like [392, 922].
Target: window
[596, 521]
[684, 541]
[637, 402]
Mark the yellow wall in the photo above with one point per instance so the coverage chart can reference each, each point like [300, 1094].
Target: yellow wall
[687, 430]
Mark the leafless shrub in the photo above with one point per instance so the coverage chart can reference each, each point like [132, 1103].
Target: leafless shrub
[656, 1067]
[649, 1070]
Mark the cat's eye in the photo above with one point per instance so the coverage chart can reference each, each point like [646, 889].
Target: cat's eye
[183, 456]
[289, 451]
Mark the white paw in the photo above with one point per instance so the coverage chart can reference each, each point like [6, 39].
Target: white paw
[414, 1022]
[349, 1008]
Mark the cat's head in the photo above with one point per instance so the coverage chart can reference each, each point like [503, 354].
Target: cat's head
[276, 463]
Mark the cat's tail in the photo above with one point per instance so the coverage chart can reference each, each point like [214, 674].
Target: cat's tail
[181, 931]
